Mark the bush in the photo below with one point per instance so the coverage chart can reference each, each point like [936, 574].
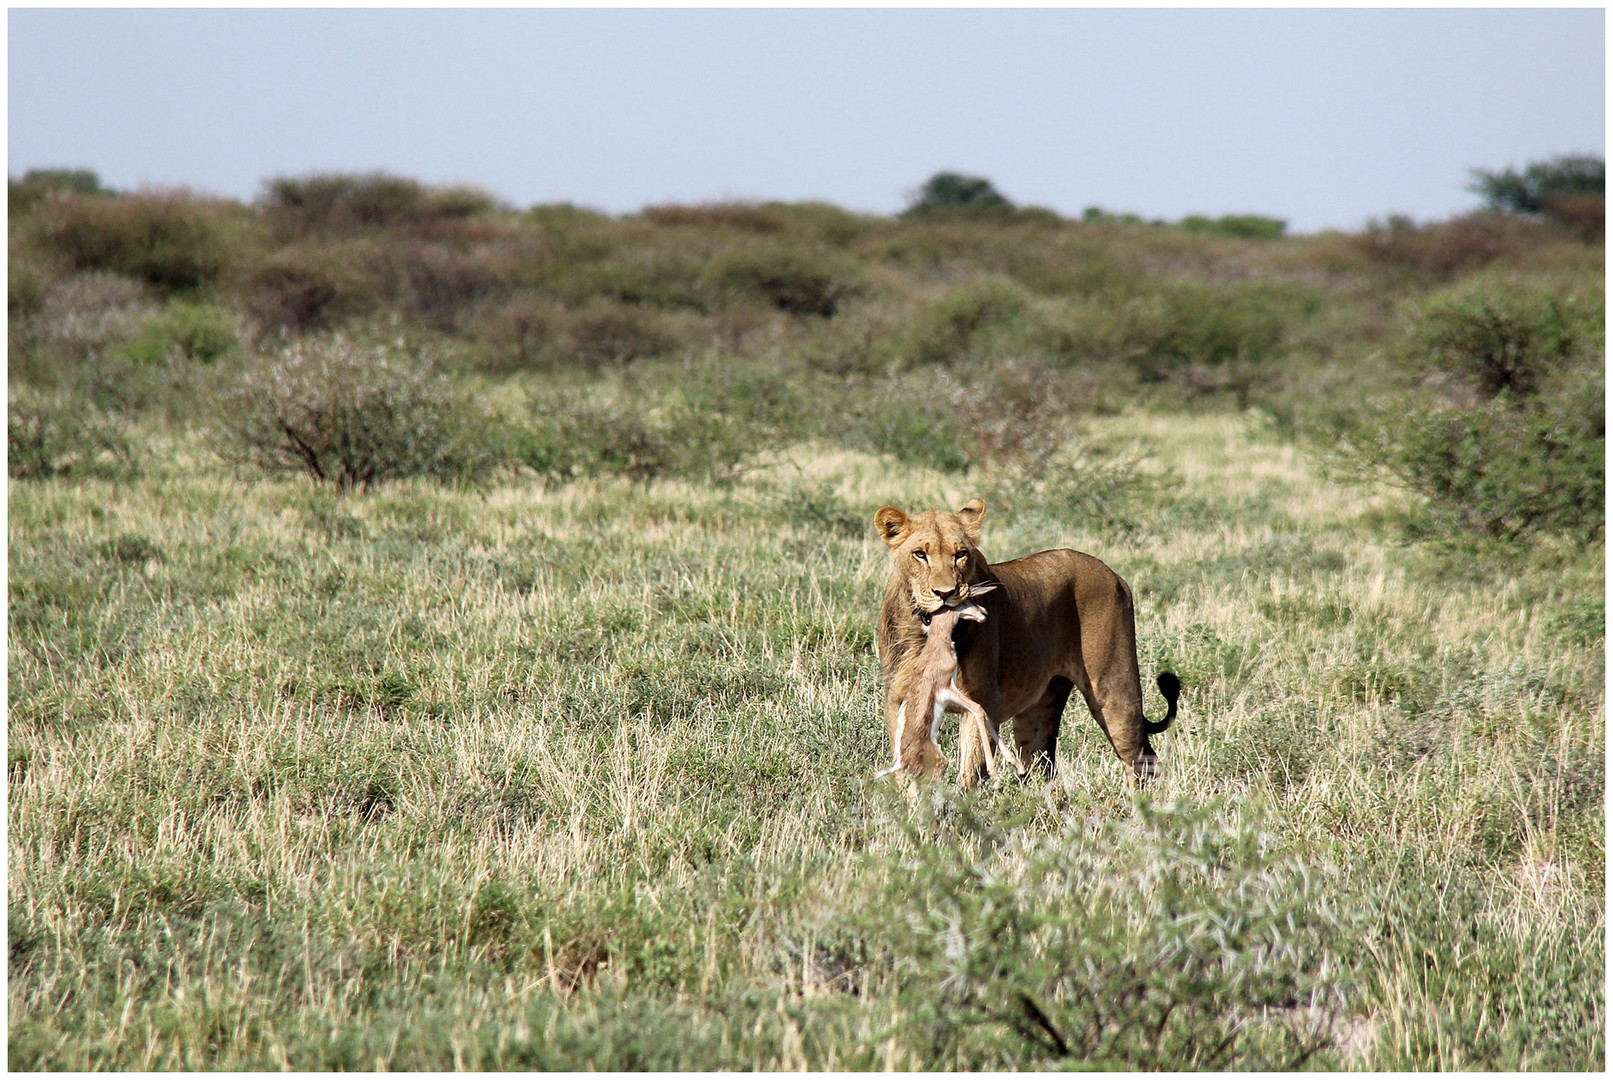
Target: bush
[918, 428]
[183, 331]
[738, 216]
[60, 434]
[1241, 226]
[310, 286]
[572, 437]
[433, 283]
[352, 415]
[1521, 452]
[1501, 470]
[79, 319]
[1495, 337]
[612, 335]
[955, 326]
[349, 204]
[792, 280]
[1443, 250]
[1183, 325]
[36, 184]
[532, 332]
[664, 276]
[1177, 939]
[691, 420]
[173, 241]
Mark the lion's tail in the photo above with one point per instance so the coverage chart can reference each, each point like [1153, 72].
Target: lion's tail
[1171, 687]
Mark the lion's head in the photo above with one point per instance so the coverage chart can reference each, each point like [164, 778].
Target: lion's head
[934, 553]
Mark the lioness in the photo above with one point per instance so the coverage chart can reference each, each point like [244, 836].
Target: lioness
[1056, 620]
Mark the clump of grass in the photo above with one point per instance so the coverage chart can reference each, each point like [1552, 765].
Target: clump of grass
[351, 415]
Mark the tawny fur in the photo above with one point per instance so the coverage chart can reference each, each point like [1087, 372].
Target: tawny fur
[1058, 621]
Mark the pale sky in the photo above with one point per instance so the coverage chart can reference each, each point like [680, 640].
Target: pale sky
[1323, 117]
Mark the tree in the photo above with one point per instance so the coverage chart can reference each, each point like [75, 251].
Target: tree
[1542, 185]
[951, 191]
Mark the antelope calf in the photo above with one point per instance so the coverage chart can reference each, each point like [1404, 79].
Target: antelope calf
[933, 690]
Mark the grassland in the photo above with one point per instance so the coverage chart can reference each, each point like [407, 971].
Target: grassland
[579, 777]
[560, 753]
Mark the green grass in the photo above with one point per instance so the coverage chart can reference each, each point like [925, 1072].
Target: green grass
[578, 776]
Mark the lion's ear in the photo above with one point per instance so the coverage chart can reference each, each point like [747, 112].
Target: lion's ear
[972, 514]
[891, 524]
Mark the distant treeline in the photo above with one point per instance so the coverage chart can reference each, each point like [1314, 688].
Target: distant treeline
[1459, 357]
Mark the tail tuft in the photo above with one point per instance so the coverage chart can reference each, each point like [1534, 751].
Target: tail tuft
[1171, 687]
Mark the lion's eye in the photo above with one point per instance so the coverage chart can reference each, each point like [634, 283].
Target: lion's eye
[920, 556]
[960, 556]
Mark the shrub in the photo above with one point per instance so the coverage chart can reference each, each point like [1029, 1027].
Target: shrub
[1183, 325]
[1586, 215]
[1497, 337]
[352, 415]
[1442, 250]
[516, 333]
[572, 437]
[1522, 453]
[1241, 226]
[78, 319]
[310, 286]
[922, 429]
[612, 335]
[531, 332]
[36, 184]
[184, 331]
[665, 276]
[1177, 939]
[1499, 469]
[173, 241]
[790, 279]
[61, 434]
[348, 204]
[700, 420]
[739, 216]
[953, 327]
[432, 282]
